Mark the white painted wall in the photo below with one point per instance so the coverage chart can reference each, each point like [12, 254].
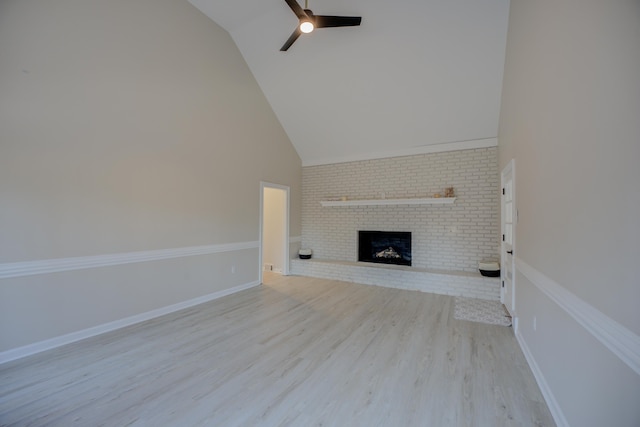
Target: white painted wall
[126, 126]
[570, 109]
[274, 228]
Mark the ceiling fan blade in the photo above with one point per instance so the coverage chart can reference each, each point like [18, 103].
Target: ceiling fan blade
[324, 21]
[293, 37]
[297, 9]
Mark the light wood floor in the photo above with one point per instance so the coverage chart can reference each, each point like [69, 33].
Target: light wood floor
[295, 352]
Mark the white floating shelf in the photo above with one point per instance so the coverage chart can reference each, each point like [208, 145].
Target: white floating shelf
[381, 202]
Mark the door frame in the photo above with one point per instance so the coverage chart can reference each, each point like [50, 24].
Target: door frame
[285, 249]
[510, 168]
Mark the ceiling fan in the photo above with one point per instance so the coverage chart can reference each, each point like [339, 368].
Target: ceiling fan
[309, 21]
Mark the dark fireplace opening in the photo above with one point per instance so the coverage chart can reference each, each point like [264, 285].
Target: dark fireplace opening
[386, 247]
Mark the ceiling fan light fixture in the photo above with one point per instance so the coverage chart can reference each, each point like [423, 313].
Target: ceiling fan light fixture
[306, 26]
[307, 22]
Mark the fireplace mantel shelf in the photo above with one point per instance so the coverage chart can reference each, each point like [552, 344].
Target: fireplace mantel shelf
[380, 202]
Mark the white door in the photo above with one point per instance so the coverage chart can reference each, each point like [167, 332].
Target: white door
[508, 293]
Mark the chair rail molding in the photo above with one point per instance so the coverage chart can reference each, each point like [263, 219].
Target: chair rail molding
[30, 268]
[617, 338]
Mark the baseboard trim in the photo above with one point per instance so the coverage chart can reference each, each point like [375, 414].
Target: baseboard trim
[552, 403]
[38, 347]
[618, 339]
[29, 268]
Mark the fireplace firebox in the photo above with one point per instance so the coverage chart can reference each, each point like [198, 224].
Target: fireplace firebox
[386, 247]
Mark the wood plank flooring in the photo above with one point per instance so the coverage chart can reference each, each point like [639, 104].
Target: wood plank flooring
[295, 352]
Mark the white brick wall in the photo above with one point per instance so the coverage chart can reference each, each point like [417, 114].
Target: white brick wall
[444, 237]
[469, 285]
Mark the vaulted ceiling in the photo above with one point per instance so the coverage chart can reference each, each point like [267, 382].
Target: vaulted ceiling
[416, 76]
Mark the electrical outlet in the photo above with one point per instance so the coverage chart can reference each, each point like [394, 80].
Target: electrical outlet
[535, 323]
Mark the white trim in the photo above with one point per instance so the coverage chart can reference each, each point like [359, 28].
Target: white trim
[29, 268]
[552, 403]
[386, 202]
[618, 339]
[17, 353]
[424, 149]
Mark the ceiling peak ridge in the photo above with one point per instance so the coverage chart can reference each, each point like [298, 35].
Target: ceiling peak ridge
[441, 147]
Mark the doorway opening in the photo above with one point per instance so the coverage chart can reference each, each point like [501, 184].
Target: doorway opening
[274, 229]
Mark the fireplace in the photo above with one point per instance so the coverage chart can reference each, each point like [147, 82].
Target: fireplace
[386, 247]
